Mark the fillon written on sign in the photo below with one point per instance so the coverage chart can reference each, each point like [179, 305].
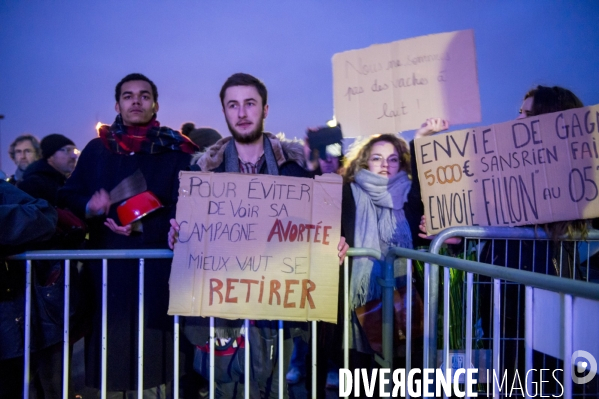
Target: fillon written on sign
[534, 170]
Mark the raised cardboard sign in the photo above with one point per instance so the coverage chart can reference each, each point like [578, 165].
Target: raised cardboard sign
[388, 88]
[257, 246]
[528, 171]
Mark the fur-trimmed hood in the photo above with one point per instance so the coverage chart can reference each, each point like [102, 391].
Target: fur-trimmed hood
[284, 150]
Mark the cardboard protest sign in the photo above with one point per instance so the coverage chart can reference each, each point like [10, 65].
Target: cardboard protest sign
[528, 171]
[388, 88]
[257, 246]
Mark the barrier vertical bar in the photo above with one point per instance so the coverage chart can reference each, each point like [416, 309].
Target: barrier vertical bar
[314, 354]
[66, 338]
[505, 284]
[528, 334]
[281, 362]
[27, 343]
[409, 315]
[469, 319]
[211, 382]
[427, 314]
[576, 256]
[176, 357]
[568, 344]
[588, 260]
[388, 310]
[518, 303]
[446, 320]
[104, 328]
[496, 319]
[247, 360]
[433, 312]
[496, 329]
[140, 331]
[547, 257]
[345, 317]
[561, 247]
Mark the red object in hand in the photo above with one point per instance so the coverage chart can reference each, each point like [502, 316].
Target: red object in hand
[137, 207]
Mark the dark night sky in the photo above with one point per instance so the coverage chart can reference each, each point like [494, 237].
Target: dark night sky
[60, 61]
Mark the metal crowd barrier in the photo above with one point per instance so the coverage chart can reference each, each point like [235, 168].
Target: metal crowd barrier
[432, 260]
[491, 235]
[566, 286]
[106, 255]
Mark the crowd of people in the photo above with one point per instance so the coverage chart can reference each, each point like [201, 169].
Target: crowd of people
[66, 199]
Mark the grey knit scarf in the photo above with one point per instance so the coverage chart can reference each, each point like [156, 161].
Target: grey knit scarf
[232, 158]
[380, 224]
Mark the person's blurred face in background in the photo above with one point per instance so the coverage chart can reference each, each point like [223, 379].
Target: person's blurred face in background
[24, 154]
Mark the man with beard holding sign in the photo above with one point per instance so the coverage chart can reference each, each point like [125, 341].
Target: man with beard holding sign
[249, 150]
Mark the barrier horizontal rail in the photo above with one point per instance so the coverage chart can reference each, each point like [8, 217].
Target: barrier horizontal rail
[543, 281]
[501, 233]
[90, 254]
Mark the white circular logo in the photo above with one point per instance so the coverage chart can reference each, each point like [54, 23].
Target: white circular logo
[580, 361]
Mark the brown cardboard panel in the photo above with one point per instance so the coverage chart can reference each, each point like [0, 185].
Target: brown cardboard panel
[392, 87]
[256, 246]
[523, 172]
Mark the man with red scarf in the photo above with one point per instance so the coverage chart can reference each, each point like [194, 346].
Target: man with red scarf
[134, 144]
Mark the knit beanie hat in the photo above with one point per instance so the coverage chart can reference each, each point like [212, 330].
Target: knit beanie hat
[52, 143]
[187, 128]
[204, 137]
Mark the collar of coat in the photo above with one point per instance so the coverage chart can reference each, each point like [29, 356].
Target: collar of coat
[284, 150]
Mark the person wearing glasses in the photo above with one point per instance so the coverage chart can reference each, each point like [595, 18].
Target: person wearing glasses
[381, 209]
[44, 177]
[24, 150]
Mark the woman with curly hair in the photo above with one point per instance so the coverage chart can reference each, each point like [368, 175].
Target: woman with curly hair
[381, 208]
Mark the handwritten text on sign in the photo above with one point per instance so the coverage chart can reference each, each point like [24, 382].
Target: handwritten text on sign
[387, 88]
[529, 171]
[256, 246]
